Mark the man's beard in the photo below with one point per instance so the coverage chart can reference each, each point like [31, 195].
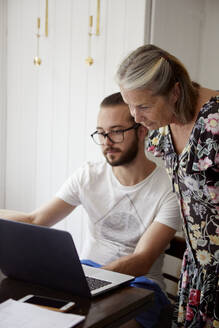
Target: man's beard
[127, 157]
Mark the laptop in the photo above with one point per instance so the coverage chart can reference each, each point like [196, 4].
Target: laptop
[48, 257]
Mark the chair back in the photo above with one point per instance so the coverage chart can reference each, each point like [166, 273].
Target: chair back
[175, 254]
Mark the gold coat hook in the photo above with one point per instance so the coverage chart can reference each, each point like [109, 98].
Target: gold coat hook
[38, 23]
[89, 60]
[91, 22]
[37, 60]
[98, 18]
[46, 19]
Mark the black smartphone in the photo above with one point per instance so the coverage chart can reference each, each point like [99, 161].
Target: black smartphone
[48, 302]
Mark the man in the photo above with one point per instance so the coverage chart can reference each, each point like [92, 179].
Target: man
[132, 211]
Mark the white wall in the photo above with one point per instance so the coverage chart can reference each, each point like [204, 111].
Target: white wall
[209, 68]
[177, 26]
[52, 109]
[188, 29]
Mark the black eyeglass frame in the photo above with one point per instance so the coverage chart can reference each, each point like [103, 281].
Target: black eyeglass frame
[106, 135]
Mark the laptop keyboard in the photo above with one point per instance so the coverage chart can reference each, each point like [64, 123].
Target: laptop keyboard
[94, 283]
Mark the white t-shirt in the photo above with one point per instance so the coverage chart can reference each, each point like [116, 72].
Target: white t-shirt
[118, 214]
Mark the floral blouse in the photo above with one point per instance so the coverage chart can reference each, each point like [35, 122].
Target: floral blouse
[195, 179]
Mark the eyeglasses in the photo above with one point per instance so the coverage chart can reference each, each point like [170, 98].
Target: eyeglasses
[115, 136]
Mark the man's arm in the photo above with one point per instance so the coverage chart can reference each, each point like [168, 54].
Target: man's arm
[152, 243]
[46, 215]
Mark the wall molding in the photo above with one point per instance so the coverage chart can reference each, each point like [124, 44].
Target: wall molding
[147, 22]
[3, 97]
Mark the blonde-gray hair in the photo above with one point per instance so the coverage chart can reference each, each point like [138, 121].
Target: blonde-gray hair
[150, 67]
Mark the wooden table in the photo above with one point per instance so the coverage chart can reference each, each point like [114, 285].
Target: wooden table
[109, 310]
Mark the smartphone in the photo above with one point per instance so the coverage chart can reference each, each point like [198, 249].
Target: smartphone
[48, 302]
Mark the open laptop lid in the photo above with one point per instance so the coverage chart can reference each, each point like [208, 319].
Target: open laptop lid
[41, 255]
[48, 257]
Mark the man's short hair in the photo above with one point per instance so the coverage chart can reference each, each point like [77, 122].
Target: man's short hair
[113, 100]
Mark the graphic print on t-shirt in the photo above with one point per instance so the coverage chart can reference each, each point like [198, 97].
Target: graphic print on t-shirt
[121, 224]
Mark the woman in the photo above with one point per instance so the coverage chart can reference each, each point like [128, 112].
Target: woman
[183, 119]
